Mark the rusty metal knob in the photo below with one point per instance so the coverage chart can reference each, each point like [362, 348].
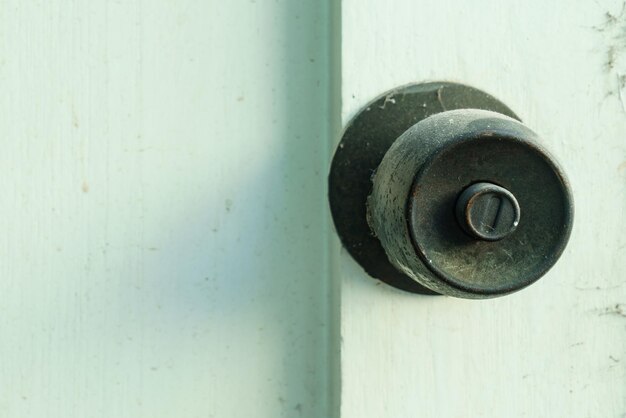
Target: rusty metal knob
[464, 201]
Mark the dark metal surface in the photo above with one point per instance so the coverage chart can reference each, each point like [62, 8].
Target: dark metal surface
[487, 211]
[364, 142]
[418, 183]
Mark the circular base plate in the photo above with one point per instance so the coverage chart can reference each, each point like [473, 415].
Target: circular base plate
[363, 145]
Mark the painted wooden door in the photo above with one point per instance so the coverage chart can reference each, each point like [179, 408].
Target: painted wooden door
[163, 220]
[166, 243]
[557, 348]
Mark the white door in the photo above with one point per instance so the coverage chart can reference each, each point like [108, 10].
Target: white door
[557, 348]
[167, 246]
[163, 220]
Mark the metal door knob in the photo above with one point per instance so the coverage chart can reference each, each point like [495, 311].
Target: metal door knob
[462, 201]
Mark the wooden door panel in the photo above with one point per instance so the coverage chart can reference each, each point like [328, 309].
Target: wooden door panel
[164, 234]
[557, 348]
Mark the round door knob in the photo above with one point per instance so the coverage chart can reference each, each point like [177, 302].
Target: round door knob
[463, 202]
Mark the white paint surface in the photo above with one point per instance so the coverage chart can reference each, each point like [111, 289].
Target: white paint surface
[165, 230]
[163, 220]
[558, 348]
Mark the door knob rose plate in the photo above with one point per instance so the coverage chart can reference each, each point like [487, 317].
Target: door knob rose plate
[438, 188]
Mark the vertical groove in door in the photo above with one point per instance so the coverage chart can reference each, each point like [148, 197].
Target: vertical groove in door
[333, 276]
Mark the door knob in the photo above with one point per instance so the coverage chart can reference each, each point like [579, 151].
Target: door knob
[438, 188]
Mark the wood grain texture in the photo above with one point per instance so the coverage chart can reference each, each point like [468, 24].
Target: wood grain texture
[558, 348]
[164, 224]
